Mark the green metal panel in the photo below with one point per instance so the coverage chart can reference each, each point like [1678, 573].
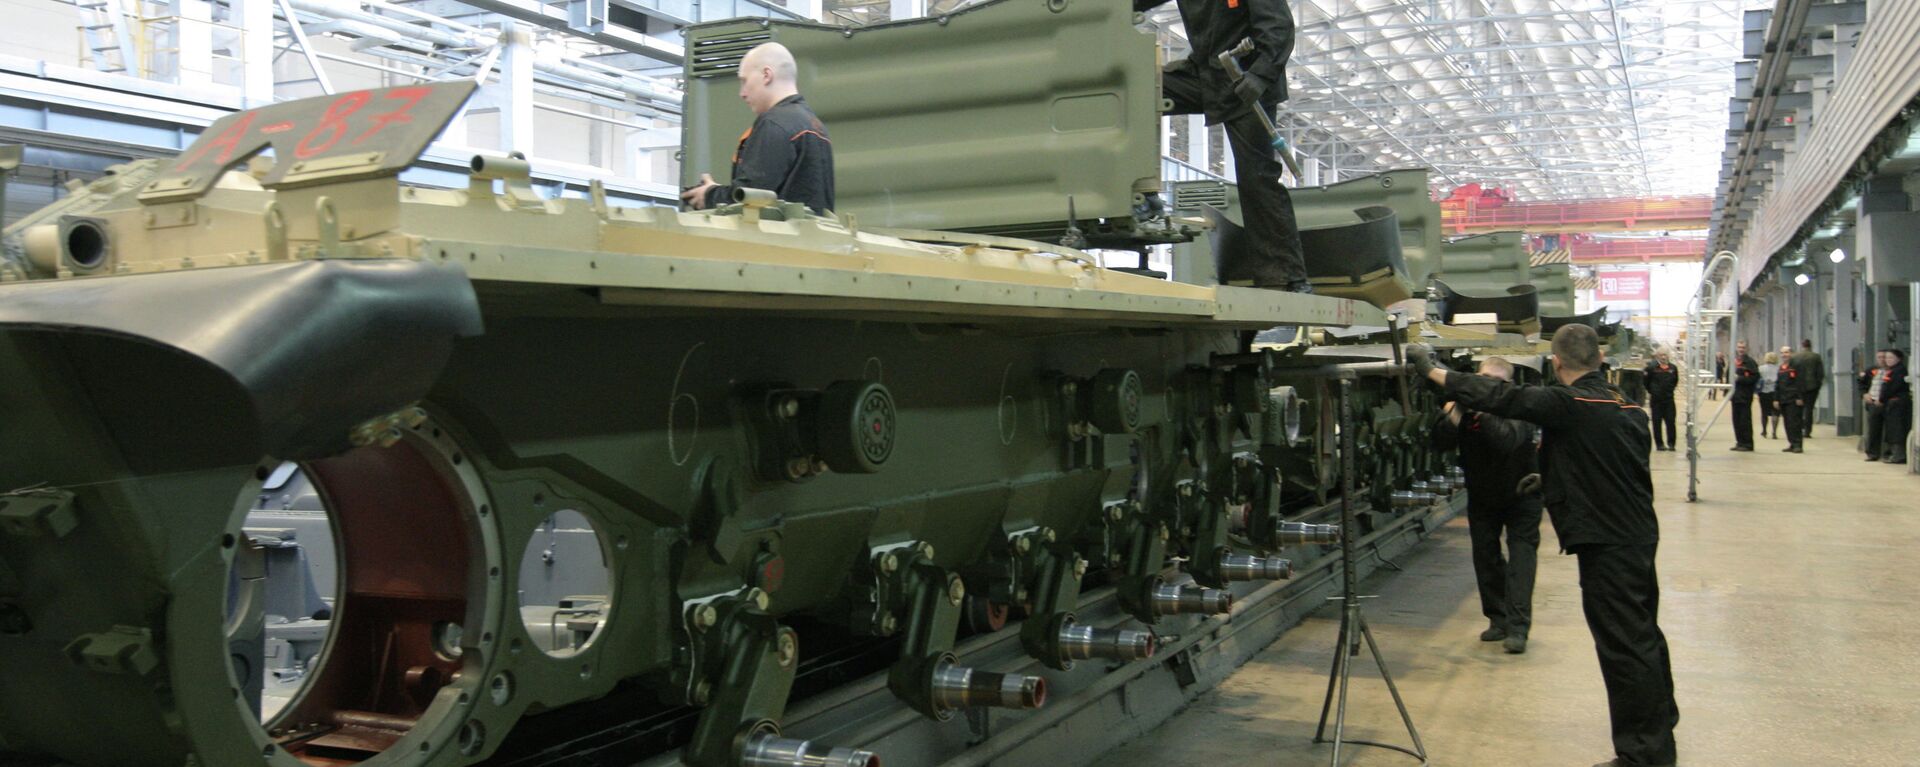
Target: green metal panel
[1554, 284]
[988, 119]
[1485, 264]
[1405, 191]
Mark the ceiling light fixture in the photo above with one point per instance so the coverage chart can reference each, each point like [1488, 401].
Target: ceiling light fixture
[1837, 255]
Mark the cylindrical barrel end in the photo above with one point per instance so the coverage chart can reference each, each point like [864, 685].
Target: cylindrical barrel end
[1078, 642]
[497, 167]
[1243, 567]
[754, 198]
[1177, 600]
[765, 749]
[964, 687]
[1296, 533]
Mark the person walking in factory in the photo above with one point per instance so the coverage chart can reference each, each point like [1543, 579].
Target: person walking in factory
[1662, 379]
[1793, 400]
[786, 151]
[1812, 372]
[1599, 492]
[1889, 409]
[1199, 85]
[1769, 403]
[1503, 493]
[1746, 375]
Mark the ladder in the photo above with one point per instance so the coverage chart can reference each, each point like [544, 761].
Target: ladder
[1717, 286]
[107, 36]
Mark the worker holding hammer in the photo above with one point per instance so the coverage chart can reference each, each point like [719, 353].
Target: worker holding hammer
[1236, 75]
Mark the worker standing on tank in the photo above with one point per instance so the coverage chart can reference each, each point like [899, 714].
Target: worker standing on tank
[787, 151]
[1662, 378]
[1599, 492]
[1199, 85]
[1746, 376]
[1503, 494]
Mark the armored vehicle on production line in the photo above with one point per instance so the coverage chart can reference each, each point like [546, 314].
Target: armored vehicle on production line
[309, 466]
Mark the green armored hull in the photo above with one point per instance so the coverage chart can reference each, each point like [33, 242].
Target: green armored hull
[771, 435]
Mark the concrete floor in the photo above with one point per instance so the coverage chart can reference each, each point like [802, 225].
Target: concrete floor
[1790, 597]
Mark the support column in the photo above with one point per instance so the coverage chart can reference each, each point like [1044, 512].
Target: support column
[256, 51]
[195, 35]
[1198, 145]
[1848, 350]
[516, 103]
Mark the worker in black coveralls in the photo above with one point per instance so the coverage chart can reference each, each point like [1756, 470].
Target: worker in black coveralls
[1599, 492]
[1503, 493]
[787, 151]
[1662, 378]
[1797, 390]
[1198, 85]
[1746, 377]
[1813, 373]
[1889, 409]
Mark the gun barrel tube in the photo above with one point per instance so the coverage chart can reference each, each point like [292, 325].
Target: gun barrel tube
[1246, 567]
[957, 686]
[1080, 642]
[768, 750]
[1296, 533]
[1178, 600]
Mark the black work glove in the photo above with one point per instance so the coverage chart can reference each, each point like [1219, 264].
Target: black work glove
[1420, 356]
[1251, 87]
[1529, 485]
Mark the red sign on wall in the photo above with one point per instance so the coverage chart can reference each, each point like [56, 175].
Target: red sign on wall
[1622, 286]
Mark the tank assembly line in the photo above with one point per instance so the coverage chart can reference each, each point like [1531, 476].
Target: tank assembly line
[997, 432]
[337, 469]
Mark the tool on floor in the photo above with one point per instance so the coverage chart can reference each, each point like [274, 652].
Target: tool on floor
[1229, 61]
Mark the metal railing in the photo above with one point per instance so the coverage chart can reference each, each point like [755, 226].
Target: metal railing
[1703, 339]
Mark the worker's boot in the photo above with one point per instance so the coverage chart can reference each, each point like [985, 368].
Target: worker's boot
[1494, 633]
[1515, 644]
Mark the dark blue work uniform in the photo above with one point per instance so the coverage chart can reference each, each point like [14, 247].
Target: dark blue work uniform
[1599, 493]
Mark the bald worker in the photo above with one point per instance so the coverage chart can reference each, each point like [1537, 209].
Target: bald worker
[787, 151]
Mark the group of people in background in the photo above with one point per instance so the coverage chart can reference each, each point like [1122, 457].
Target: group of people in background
[1786, 383]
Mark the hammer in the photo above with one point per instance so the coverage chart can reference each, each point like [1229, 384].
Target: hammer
[1230, 62]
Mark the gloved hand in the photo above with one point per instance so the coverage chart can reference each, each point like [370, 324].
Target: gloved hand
[1420, 356]
[1528, 484]
[1251, 87]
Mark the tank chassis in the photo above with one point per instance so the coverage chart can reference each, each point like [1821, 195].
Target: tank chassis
[769, 419]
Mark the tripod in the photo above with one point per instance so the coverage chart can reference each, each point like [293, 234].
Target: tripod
[1353, 623]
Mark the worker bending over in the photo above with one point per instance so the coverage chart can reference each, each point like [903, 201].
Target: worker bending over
[1198, 85]
[787, 151]
[1599, 491]
[1503, 493]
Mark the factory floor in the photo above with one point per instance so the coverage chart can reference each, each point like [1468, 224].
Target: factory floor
[1790, 597]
